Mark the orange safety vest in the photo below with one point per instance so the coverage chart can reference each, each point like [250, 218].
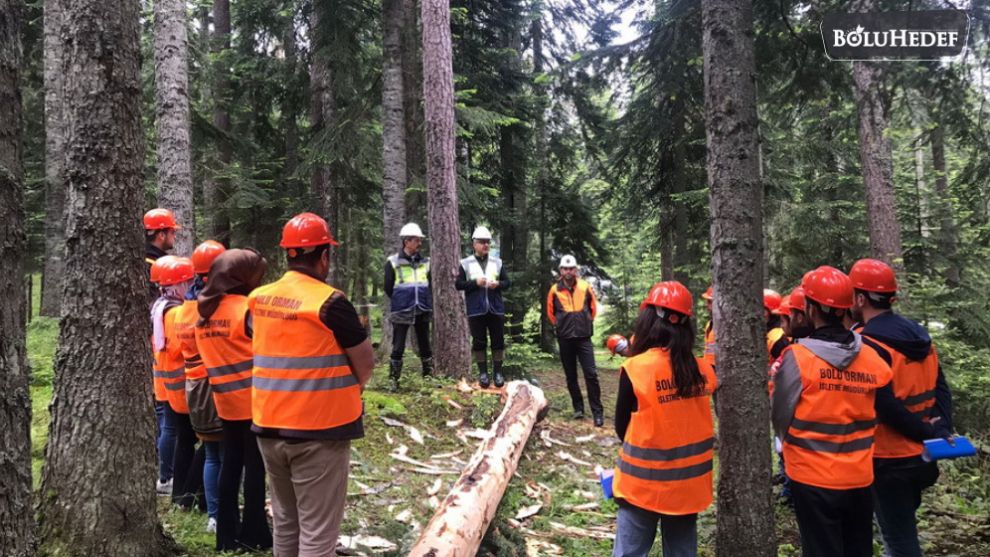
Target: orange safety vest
[226, 351]
[302, 378]
[829, 443]
[710, 344]
[665, 463]
[185, 325]
[172, 364]
[914, 386]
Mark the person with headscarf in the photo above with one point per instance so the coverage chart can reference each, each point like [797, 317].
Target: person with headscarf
[225, 347]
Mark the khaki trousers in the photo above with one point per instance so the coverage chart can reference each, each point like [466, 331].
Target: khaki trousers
[308, 483]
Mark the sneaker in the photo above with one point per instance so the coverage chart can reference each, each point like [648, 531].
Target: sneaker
[211, 525]
[163, 488]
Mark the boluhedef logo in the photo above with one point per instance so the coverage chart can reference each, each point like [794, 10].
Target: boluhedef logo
[923, 35]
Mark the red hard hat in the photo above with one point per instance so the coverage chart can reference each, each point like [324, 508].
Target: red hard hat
[771, 299]
[873, 275]
[828, 286]
[306, 230]
[159, 219]
[796, 299]
[158, 265]
[176, 270]
[613, 342]
[204, 254]
[709, 294]
[670, 295]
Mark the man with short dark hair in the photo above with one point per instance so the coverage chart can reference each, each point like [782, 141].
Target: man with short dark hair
[159, 238]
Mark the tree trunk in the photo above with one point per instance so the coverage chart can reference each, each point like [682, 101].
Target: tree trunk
[515, 232]
[451, 352]
[412, 79]
[393, 144]
[175, 185]
[97, 485]
[16, 508]
[948, 236]
[217, 189]
[55, 130]
[290, 124]
[745, 510]
[461, 520]
[546, 337]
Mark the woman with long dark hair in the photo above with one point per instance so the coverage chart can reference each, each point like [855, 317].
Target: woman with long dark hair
[663, 416]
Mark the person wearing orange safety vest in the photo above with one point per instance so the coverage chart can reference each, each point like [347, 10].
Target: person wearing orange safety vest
[312, 359]
[224, 344]
[165, 433]
[663, 417]
[776, 339]
[823, 409]
[709, 356]
[917, 405]
[159, 238]
[571, 309]
[199, 397]
[175, 278]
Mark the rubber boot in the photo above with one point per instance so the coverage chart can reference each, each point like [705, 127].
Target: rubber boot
[499, 380]
[427, 367]
[483, 379]
[394, 373]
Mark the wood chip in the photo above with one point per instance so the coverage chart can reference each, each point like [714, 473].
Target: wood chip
[584, 533]
[482, 434]
[455, 423]
[392, 423]
[388, 437]
[463, 386]
[545, 436]
[564, 455]
[434, 502]
[584, 438]
[526, 512]
[581, 507]
[444, 456]
[453, 403]
[415, 434]
[435, 488]
[404, 517]
[367, 542]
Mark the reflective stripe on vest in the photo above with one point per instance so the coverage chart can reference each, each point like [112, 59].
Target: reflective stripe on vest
[829, 443]
[665, 463]
[914, 386]
[172, 364]
[302, 378]
[482, 300]
[226, 351]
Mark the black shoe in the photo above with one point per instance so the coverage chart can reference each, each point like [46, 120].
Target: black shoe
[578, 415]
[427, 367]
[483, 380]
[599, 420]
[394, 373]
[499, 380]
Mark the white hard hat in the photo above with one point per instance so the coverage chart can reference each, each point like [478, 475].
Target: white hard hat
[411, 230]
[481, 233]
[567, 261]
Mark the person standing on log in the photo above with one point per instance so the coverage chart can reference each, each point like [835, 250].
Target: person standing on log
[482, 278]
[312, 360]
[407, 285]
[663, 417]
[224, 344]
[571, 308]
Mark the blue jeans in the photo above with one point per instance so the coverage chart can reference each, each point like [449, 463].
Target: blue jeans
[636, 529]
[165, 442]
[211, 477]
[897, 488]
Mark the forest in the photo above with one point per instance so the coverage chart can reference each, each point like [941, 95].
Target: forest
[709, 142]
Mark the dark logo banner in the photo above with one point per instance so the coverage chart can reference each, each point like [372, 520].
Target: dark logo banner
[925, 35]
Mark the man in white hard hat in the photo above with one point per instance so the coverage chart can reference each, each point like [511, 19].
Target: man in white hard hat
[571, 308]
[407, 284]
[482, 278]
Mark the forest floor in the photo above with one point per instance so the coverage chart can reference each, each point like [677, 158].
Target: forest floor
[553, 505]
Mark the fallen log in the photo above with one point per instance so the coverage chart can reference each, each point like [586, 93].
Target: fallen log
[462, 519]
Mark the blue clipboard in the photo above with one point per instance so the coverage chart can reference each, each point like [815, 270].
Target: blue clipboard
[938, 449]
[605, 478]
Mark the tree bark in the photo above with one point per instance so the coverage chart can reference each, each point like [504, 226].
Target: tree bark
[393, 143]
[461, 520]
[290, 124]
[175, 184]
[745, 510]
[546, 337]
[450, 331]
[97, 485]
[16, 517]
[55, 130]
[412, 79]
[948, 236]
[217, 188]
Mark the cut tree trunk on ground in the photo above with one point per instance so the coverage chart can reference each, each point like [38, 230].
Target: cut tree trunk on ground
[462, 519]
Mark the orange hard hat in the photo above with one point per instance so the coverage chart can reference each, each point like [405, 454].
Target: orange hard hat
[160, 219]
[771, 299]
[158, 265]
[176, 270]
[873, 275]
[615, 343]
[670, 295]
[796, 299]
[709, 294]
[828, 286]
[204, 254]
[306, 230]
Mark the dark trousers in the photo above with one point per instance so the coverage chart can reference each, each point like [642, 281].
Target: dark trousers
[187, 464]
[572, 351]
[481, 326]
[401, 330]
[833, 522]
[241, 456]
[897, 488]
